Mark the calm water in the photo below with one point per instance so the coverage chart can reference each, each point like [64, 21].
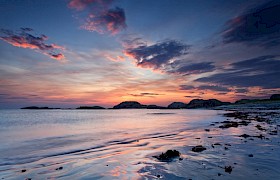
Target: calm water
[107, 144]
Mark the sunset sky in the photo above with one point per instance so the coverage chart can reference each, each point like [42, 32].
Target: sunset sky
[67, 53]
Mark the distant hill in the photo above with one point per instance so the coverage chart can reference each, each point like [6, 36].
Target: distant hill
[35, 107]
[195, 103]
[130, 105]
[90, 107]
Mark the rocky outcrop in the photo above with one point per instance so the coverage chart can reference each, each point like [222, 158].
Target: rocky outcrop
[90, 107]
[129, 105]
[177, 105]
[275, 97]
[200, 103]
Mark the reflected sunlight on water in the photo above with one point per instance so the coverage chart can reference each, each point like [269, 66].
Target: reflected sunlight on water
[110, 143]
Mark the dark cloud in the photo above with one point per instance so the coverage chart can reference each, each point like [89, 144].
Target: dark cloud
[192, 96]
[195, 68]
[156, 56]
[205, 87]
[100, 17]
[145, 94]
[262, 71]
[213, 88]
[24, 39]
[166, 56]
[241, 90]
[186, 87]
[258, 26]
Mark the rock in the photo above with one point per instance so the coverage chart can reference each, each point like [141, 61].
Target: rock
[129, 105]
[228, 169]
[229, 124]
[177, 105]
[219, 174]
[259, 127]
[207, 130]
[24, 170]
[217, 144]
[90, 107]
[60, 168]
[245, 135]
[198, 148]
[169, 155]
[275, 97]
[251, 155]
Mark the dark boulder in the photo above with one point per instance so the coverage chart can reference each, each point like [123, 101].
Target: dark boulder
[198, 148]
[169, 155]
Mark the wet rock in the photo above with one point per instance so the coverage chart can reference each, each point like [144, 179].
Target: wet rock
[226, 148]
[219, 174]
[217, 144]
[228, 124]
[238, 115]
[228, 169]
[180, 159]
[198, 148]
[158, 176]
[210, 137]
[207, 130]
[274, 132]
[245, 135]
[28, 179]
[227, 145]
[23, 170]
[251, 155]
[197, 138]
[260, 136]
[60, 168]
[259, 127]
[169, 155]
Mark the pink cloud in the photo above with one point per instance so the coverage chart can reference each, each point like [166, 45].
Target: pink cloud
[25, 39]
[100, 17]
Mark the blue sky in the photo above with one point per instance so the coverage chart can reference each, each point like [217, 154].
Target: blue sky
[91, 52]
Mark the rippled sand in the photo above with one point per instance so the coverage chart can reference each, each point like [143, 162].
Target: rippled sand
[121, 144]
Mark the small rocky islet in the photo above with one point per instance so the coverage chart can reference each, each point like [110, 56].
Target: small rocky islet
[193, 104]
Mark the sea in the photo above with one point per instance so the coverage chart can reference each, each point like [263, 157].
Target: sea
[123, 144]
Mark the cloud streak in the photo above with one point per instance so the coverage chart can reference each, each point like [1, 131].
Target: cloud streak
[262, 71]
[25, 39]
[100, 17]
[258, 26]
[146, 94]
